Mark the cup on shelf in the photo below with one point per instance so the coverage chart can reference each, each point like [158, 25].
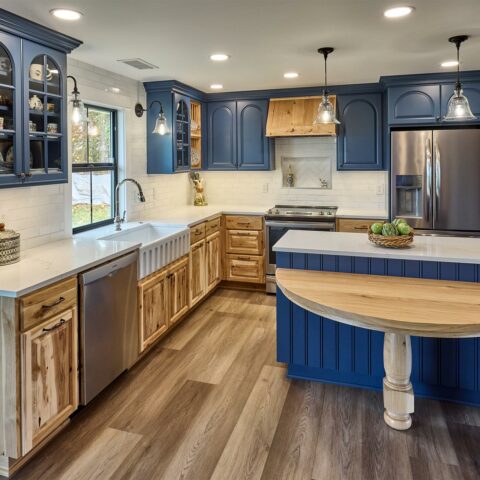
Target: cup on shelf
[32, 126]
[52, 128]
[50, 107]
[36, 72]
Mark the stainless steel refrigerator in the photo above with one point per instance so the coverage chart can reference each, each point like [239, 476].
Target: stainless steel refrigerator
[435, 180]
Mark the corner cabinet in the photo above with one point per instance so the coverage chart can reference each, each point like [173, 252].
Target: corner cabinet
[33, 103]
[359, 140]
[183, 147]
[236, 136]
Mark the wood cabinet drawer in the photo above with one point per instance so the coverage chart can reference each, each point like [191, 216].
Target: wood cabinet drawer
[245, 241]
[38, 306]
[212, 226]
[354, 225]
[244, 222]
[245, 268]
[197, 233]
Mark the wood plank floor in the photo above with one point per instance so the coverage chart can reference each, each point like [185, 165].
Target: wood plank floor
[210, 401]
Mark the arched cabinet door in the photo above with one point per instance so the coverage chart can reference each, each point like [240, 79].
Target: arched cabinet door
[45, 114]
[222, 136]
[359, 141]
[253, 145]
[11, 158]
[414, 105]
[181, 146]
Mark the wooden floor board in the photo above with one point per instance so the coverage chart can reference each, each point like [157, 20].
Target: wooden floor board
[210, 401]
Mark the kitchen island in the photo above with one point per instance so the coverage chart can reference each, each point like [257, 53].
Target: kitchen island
[318, 348]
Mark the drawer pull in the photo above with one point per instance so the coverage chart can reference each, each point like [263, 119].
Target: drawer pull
[244, 258]
[57, 325]
[244, 223]
[245, 234]
[362, 227]
[54, 304]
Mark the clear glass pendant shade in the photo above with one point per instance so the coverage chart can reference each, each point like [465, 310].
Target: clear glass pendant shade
[325, 112]
[161, 127]
[458, 107]
[78, 112]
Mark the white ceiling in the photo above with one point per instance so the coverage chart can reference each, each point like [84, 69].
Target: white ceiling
[265, 38]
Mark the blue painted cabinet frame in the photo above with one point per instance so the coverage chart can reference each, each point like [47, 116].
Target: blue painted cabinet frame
[52, 147]
[12, 46]
[236, 136]
[359, 139]
[317, 348]
[24, 40]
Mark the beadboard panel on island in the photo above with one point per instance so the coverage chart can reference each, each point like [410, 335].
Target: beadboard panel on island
[316, 348]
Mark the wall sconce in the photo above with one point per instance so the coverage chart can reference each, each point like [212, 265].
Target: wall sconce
[78, 111]
[161, 127]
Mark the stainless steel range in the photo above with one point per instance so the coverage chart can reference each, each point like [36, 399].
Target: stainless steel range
[282, 218]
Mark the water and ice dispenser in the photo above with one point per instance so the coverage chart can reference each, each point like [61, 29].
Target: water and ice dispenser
[409, 195]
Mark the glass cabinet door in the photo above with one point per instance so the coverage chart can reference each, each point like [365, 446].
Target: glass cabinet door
[10, 108]
[182, 134]
[45, 122]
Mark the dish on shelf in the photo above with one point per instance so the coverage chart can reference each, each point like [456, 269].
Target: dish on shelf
[196, 158]
[35, 103]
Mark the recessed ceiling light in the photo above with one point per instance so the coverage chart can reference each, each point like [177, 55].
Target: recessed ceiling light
[398, 12]
[290, 75]
[216, 86]
[219, 57]
[449, 63]
[66, 14]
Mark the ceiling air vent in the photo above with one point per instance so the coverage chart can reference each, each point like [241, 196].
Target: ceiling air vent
[138, 63]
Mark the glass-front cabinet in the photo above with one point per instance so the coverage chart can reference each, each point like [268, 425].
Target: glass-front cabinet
[45, 150]
[33, 102]
[10, 110]
[182, 132]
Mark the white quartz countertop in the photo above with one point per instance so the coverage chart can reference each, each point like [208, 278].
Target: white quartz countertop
[427, 248]
[47, 264]
[189, 216]
[377, 214]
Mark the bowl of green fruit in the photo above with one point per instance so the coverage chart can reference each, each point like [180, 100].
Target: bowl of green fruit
[398, 234]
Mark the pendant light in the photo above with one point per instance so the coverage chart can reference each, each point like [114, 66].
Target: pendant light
[326, 111]
[458, 106]
[78, 110]
[161, 125]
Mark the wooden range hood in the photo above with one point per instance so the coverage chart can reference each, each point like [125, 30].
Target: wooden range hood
[293, 117]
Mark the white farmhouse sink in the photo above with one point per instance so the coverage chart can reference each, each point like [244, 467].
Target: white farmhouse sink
[161, 245]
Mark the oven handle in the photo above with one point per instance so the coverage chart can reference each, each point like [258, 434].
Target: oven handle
[306, 225]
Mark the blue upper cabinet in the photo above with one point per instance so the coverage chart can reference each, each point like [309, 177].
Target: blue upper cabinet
[181, 132]
[236, 135]
[45, 115]
[470, 89]
[359, 140]
[222, 135]
[253, 150]
[414, 105]
[33, 102]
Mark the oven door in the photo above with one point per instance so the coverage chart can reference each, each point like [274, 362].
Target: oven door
[276, 230]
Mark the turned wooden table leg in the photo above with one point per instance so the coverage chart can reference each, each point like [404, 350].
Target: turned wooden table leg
[398, 396]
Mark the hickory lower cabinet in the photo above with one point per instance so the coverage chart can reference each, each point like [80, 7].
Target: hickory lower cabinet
[162, 300]
[355, 225]
[197, 272]
[213, 251]
[39, 368]
[245, 250]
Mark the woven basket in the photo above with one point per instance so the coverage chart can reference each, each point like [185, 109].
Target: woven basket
[9, 246]
[397, 241]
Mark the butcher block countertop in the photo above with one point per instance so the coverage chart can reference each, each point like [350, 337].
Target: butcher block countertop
[430, 308]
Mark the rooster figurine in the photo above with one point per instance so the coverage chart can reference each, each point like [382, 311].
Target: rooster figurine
[197, 181]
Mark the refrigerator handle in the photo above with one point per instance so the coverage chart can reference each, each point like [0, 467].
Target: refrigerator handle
[438, 179]
[428, 177]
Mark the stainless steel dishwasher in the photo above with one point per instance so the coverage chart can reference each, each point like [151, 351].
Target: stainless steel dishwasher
[108, 324]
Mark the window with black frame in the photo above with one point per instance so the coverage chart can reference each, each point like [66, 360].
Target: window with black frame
[94, 169]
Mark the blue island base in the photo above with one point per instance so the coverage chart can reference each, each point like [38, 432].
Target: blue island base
[319, 349]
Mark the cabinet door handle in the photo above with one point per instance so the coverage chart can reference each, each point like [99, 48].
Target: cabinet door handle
[57, 325]
[54, 304]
